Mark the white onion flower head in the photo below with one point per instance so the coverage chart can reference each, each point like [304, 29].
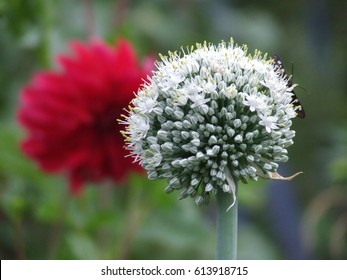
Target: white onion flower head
[210, 116]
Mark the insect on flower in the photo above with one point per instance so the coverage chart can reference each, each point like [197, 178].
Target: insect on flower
[295, 101]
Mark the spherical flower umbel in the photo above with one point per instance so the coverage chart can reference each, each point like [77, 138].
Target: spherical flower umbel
[209, 116]
[70, 114]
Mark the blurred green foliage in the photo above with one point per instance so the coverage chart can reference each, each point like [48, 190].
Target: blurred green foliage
[40, 220]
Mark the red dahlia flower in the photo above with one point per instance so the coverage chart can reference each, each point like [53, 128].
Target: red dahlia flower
[70, 115]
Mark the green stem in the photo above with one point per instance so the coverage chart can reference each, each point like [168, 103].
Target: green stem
[18, 237]
[135, 212]
[105, 205]
[226, 226]
[56, 235]
[46, 22]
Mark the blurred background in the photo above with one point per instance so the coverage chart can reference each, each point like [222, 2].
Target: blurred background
[302, 219]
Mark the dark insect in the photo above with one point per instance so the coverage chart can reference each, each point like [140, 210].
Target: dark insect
[295, 101]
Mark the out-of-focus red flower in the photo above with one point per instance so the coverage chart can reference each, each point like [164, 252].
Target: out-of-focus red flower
[70, 115]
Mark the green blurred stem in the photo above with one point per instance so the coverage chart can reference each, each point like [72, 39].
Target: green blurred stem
[226, 226]
[105, 205]
[46, 22]
[18, 237]
[57, 229]
[135, 212]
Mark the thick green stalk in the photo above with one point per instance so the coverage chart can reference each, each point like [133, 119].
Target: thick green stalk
[226, 226]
